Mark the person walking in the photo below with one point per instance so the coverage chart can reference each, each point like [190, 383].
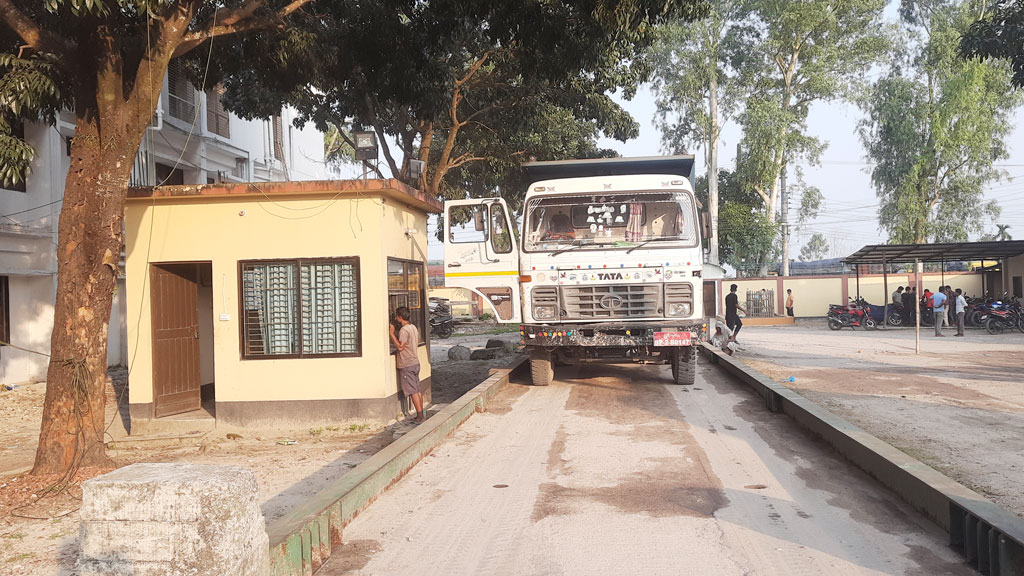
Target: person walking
[961, 310]
[938, 310]
[407, 360]
[789, 303]
[732, 319]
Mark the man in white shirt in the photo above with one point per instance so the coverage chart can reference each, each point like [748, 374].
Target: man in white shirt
[961, 309]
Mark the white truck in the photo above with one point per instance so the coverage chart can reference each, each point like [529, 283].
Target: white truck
[606, 267]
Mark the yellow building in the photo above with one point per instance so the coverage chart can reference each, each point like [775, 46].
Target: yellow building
[268, 304]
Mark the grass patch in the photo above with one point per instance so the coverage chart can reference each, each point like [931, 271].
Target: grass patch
[22, 556]
[15, 536]
[316, 431]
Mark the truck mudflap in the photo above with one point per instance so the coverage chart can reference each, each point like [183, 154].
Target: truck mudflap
[615, 335]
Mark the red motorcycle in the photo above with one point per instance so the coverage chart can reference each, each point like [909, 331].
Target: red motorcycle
[855, 314]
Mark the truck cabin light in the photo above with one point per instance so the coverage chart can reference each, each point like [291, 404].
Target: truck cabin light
[677, 182]
[525, 278]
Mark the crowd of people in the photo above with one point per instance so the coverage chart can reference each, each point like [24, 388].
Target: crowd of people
[945, 306]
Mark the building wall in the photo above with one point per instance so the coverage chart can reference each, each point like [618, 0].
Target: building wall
[471, 303]
[181, 231]
[813, 294]
[31, 307]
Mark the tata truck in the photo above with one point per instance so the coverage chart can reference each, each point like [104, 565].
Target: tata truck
[605, 268]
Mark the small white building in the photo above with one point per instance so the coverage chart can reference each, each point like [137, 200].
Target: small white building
[192, 140]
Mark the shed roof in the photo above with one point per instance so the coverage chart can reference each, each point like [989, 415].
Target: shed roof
[390, 188]
[940, 252]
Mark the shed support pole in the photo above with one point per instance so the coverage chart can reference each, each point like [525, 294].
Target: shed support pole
[885, 293]
[917, 311]
[857, 266]
[943, 273]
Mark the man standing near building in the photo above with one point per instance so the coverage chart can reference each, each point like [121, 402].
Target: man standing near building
[908, 306]
[732, 318]
[939, 310]
[789, 303]
[408, 361]
[961, 310]
[897, 296]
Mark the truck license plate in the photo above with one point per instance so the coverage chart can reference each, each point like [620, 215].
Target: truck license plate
[672, 338]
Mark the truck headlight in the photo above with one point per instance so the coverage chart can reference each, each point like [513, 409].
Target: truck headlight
[544, 312]
[679, 309]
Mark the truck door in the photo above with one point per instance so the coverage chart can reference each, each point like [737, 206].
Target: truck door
[480, 253]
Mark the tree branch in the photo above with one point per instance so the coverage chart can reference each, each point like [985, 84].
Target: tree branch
[237, 20]
[30, 32]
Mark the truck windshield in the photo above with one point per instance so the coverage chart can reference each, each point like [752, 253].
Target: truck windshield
[610, 221]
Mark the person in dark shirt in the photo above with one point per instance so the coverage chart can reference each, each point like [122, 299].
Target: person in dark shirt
[732, 319]
[908, 306]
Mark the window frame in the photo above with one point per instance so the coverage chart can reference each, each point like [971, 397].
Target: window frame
[5, 309]
[497, 210]
[425, 328]
[298, 262]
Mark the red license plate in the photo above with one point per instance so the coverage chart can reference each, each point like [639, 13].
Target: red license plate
[672, 338]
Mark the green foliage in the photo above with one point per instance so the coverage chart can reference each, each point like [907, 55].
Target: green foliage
[471, 87]
[747, 236]
[934, 126]
[998, 34]
[815, 249]
[30, 89]
[805, 51]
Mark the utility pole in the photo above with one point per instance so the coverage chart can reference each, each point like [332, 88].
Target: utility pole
[784, 219]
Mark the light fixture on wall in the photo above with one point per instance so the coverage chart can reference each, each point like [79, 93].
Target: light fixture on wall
[365, 145]
[410, 232]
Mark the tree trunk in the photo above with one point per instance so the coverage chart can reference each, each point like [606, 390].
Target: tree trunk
[713, 170]
[89, 248]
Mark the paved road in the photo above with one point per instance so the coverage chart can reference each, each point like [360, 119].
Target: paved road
[610, 471]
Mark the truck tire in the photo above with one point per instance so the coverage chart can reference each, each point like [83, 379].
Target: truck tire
[542, 371]
[684, 365]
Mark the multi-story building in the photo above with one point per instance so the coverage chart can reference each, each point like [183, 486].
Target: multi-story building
[192, 140]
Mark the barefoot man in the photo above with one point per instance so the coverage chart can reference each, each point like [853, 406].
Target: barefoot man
[408, 361]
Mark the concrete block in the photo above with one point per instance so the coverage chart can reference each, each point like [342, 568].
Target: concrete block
[458, 353]
[171, 520]
[486, 353]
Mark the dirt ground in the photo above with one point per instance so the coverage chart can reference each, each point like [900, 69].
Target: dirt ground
[39, 530]
[958, 406]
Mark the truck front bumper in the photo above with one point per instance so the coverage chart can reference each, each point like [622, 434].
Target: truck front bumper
[607, 335]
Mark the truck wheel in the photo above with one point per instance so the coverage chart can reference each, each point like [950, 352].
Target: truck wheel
[684, 365]
[541, 370]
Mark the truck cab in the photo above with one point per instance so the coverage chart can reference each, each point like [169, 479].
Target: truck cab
[606, 267]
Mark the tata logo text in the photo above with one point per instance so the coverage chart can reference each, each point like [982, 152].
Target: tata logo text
[609, 276]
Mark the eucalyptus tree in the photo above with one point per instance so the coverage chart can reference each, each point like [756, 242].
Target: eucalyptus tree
[935, 126]
[698, 86]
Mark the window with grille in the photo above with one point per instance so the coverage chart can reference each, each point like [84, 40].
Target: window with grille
[181, 98]
[216, 115]
[300, 308]
[406, 288]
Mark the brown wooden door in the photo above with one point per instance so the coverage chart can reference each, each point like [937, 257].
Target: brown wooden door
[710, 299]
[175, 305]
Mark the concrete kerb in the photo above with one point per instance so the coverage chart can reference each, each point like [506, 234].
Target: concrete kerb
[990, 537]
[296, 551]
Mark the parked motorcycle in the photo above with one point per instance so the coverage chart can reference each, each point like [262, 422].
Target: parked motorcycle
[853, 315]
[442, 323]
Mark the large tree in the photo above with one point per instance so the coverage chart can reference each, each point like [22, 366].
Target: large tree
[935, 124]
[998, 33]
[748, 237]
[813, 51]
[698, 84]
[106, 61]
[455, 75]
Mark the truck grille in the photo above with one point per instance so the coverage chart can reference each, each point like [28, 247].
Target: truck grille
[612, 301]
[682, 292]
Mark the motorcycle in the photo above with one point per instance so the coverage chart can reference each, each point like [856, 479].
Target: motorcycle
[855, 314]
[442, 323]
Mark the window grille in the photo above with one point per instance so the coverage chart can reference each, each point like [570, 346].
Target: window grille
[217, 118]
[181, 98]
[300, 308]
[278, 138]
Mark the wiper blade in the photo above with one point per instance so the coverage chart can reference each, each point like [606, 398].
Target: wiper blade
[646, 242]
[572, 246]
